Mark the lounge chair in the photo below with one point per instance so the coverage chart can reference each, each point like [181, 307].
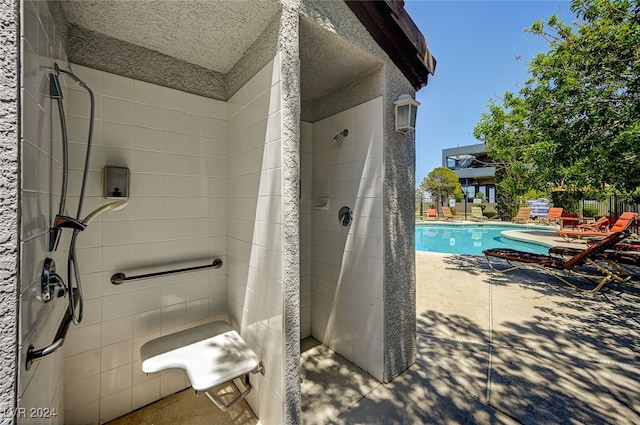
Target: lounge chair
[523, 216]
[446, 212]
[553, 216]
[631, 245]
[600, 225]
[476, 214]
[617, 257]
[623, 223]
[432, 214]
[560, 267]
[626, 246]
[624, 258]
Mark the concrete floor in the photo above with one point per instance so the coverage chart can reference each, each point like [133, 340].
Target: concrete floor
[518, 348]
[187, 408]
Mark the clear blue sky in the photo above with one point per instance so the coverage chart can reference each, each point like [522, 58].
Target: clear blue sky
[475, 44]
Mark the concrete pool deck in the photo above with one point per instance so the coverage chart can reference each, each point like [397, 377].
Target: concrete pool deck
[518, 348]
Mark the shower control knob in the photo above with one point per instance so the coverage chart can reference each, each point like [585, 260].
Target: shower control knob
[50, 280]
[345, 216]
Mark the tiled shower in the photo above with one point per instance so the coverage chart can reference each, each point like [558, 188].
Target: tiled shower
[206, 182]
[203, 174]
[175, 146]
[342, 294]
[205, 178]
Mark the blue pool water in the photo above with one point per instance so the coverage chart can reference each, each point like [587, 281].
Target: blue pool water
[469, 239]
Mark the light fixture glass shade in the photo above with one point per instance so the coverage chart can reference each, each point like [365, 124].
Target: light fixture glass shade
[406, 109]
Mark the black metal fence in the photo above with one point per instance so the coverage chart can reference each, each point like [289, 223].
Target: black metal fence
[611, 207]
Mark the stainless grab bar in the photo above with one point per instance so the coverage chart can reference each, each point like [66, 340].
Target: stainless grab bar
[58, 340]
[119, 278]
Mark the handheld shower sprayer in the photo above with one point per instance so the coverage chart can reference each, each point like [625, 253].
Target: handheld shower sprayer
[63, 221]
[115, 206]
[338, 137]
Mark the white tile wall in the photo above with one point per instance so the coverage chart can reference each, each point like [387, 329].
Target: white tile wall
[306, 211]
[254, 241]
[346, 270]
[41, 387]
[176, 149]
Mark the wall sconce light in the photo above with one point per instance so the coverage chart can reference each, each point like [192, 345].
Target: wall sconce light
[406, 109]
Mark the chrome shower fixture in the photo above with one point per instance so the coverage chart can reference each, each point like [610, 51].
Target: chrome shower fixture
[338, 137]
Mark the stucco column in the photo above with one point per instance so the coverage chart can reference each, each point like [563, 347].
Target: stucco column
[288, 47]
[399, 237]
[9, 185]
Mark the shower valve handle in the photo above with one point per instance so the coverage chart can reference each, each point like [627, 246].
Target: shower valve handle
[345, 216]
[50, 280]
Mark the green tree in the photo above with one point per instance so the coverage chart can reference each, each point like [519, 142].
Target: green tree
[503, 130]
[576, 122]
[443, 184]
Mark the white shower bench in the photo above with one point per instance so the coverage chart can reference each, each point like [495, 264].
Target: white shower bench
[211, 354]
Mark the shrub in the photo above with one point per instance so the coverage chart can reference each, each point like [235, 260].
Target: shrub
[490, 214]
[590, 211]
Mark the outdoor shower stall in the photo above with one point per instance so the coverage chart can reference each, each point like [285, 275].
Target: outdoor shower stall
[283, 163]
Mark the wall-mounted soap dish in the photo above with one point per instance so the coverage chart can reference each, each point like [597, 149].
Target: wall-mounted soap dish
[115, 181]
[321, 203]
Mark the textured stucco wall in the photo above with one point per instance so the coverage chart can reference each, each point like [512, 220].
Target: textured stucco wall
[9, 124]
[129, 60]
[108, 54]
[353, 94]
[399, 234]
[336, 18]
[288, 46]
[259, 54]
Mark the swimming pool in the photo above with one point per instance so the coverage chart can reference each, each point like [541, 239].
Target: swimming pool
[469, 239]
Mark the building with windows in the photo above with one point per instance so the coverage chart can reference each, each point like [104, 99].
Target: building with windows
[475, 170]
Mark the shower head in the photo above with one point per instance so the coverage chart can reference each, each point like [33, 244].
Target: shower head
[115, 206]
[338, 137]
